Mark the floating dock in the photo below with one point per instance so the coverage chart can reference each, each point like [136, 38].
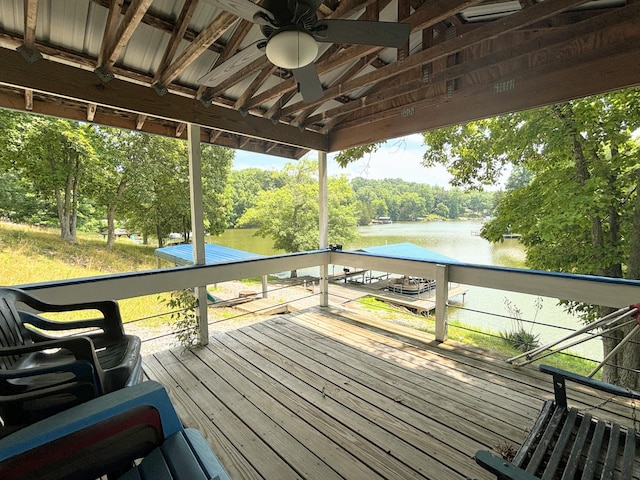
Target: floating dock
[422, 303]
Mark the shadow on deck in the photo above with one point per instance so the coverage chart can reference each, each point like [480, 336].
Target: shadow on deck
[315, 394]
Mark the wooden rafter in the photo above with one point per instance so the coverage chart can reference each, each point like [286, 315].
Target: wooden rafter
[91, 111]
[30, 18]
[28, 100]
[454, 67]
[177, 35]
[112, 46]
[208, 36]
[230, 49]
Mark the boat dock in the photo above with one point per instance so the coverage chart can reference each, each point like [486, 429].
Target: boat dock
[339, 293]
[422, 303]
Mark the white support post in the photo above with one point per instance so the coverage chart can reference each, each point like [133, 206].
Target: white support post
[442, 297]
[323, 201]
[197, 225]
[265, 286]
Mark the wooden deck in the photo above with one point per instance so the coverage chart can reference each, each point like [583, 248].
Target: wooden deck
[315, 394]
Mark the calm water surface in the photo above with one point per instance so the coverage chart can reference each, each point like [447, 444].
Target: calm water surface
[459, 240]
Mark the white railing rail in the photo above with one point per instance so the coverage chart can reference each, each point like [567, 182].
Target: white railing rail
[603, 291]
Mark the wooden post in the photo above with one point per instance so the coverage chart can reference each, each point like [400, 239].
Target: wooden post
[442, 297]
[324, 225]
[197, 225]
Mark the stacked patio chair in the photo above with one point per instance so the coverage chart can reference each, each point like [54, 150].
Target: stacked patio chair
[42, 372]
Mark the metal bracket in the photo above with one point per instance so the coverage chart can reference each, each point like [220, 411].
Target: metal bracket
[104, 74]
[31, 55]
[161, 91]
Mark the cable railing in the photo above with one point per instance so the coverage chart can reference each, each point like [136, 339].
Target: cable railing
[609, 292]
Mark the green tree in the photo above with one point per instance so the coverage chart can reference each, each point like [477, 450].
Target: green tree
[51, 155]
[411, 206]
[119, 163]
[289, 215]
[158, 202]
[246, 184]
[577, 210]
[18, 203]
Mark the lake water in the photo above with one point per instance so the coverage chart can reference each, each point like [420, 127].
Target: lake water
[480, 307]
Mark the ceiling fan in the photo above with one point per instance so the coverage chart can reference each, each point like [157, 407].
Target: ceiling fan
[292, 30]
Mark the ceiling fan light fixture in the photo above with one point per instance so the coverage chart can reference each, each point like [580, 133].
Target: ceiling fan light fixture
[291, 49]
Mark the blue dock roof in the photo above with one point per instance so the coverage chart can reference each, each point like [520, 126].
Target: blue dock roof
[408, 250]
[183, 254]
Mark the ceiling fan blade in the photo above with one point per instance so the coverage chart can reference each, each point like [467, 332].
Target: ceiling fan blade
[244, 9]
[362, 32]
[308, 83]
[241, 59]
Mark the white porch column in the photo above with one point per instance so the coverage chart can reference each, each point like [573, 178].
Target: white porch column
[197, 225]
[323, 202]
[442, 297]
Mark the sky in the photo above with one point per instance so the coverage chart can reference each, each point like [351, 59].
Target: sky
[399, 158]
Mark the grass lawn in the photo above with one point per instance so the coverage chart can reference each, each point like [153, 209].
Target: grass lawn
[32, 255]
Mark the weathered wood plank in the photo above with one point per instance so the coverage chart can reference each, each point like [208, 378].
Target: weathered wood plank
[466, 375]
[228, 436]
[287, 433]
[324, 413]
[391, 431]
[321, 394]
[445, 402]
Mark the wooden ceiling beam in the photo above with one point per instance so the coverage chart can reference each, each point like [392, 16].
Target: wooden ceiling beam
[113, 46]
[110, 29]
[14, 99]
[163, 24]
[210, 34]
[454, 45]
[30, 19]
[177, 35]
[69, 82]
[230, 49]
[550, 82]
[253, 88]
[504, 51]
[258, 64]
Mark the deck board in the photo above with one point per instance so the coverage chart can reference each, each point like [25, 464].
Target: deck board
[316, 394]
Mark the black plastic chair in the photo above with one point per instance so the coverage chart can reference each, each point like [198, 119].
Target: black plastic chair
[41, 374]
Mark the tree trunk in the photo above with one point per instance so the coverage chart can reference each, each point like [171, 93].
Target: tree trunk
[111, 227]
[159, 234]
[67, 204]
[111, 215]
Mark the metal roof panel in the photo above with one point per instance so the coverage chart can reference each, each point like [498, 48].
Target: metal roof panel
[183, 254]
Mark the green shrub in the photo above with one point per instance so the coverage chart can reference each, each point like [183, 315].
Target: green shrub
[184, 320]
[519, 337]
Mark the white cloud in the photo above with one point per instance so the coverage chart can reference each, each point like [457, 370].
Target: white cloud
[399, 158]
